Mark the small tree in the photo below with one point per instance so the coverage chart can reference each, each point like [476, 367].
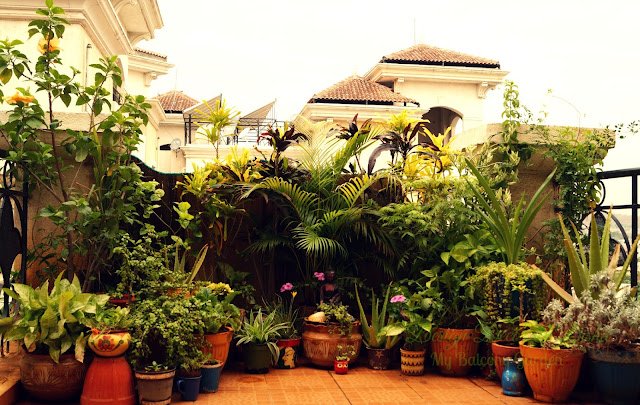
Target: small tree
[215, 120]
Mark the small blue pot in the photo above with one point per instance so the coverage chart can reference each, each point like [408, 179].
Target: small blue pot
[514, 382]
[189, 387]
[210, 377]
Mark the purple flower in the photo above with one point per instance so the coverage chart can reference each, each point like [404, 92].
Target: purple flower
[398, 298]
[319, 276]
[286, 287]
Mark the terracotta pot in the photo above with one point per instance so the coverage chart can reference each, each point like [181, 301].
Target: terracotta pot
[155, 386]
[321, 341]
[46, 380]
[109, 381]
[502, 349]
[288, 356]
[109, 344]
[341, 366]
[552, 374]
[379, 359]
[412, 362]
[217, 344]
[122, 302]
[454, 350]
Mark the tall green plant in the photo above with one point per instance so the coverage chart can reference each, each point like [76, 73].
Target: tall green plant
[582, 268]
[377, 335]
[509, 232]
[215, 120]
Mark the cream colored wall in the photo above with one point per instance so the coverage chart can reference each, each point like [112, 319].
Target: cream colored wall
[459, 97]
[74, 53]
[170, 161]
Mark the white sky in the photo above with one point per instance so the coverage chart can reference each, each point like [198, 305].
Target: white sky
[254, 51]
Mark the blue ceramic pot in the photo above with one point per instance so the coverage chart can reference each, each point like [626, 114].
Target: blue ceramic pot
[210, 377]
[616, 374]
[189, 387]
[514, 382]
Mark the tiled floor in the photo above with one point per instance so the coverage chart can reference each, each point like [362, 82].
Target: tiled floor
[307, 385]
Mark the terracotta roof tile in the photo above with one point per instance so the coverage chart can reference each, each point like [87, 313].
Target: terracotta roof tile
[151, 53]
[430, 55]
[356, 88]
[175, 101]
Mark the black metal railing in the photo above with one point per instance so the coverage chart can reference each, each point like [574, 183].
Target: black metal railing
[604, 206]
[13, 229]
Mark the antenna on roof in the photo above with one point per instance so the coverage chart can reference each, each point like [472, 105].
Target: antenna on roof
[414, 31]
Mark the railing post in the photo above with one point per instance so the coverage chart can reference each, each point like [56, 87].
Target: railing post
[634, 228]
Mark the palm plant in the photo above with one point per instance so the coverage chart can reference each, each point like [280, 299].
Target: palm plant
[325, 215]
[215, 120]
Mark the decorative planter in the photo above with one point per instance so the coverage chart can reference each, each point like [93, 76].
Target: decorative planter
[257, 358]
[502, 349]
[46, 380]
[379, 359]
[320, 343]
[412, 362]
[551, 374]
[454, 350]
[155, 387]
[616, 374]
[109, 381]
[288, 356]
[122, 302]
[109, 344]
[188, 387]
[341, 366]
[217, 344]
[210, 377]
[514, 382]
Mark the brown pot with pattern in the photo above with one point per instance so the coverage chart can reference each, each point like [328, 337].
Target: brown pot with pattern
[379, 359]
[46, 380]
[412, 362]
[454, 350]
[320, 342]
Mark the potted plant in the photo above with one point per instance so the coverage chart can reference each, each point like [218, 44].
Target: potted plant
[289, 339]
[49, 324]
[608, 325]
[509, 295]
[109, 378]
[344, 355]
[551, 361]
[221, 318]
[416, 315]
[189, 375]
[378, 339]
[155, 383]
[258, 336]
[325, 330]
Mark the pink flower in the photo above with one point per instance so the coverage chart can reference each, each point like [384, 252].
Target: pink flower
[398, 298]
[286, 287]
[319, 276]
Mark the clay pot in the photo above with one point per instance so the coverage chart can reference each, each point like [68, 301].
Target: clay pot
[109, 381]
[109, 344]
[321, 341]
[502, 349]
[379, 359]
[46, 380]
[412, 362]
[454, 350]
[552, 373]
[218, 344]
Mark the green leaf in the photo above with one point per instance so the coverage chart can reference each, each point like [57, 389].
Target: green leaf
[5, 76]
[81, 153]
[49, 3]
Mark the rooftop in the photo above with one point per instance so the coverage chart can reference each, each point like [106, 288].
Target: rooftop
[430, 55]
[358, 90]
[175, 102]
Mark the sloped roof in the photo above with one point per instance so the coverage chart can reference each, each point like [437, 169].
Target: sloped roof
[175, 101]
[256, 117]
[200, 105]
[430, 55]
[359, 89]
[146, 52]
